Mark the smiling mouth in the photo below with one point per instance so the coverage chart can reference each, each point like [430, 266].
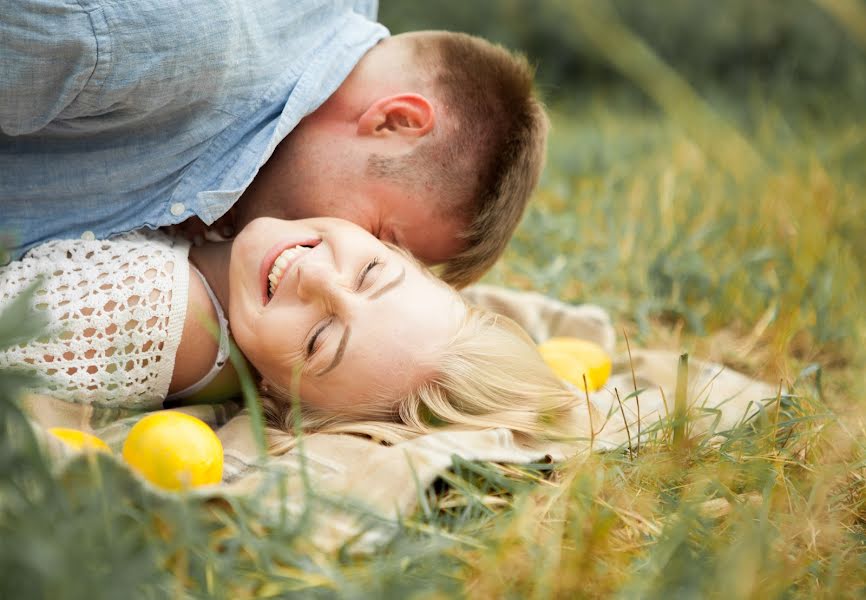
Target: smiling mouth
[281, 266]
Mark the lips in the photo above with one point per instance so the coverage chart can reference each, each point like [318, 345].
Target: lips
[279, 252]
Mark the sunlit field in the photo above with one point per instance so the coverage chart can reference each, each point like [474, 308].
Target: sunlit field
[724, 221]
[755, 263]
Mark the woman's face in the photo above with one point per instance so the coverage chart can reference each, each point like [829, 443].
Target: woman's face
[362, 322]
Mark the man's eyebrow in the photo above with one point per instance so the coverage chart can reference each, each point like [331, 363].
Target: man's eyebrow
[341, 349]
[390, 285]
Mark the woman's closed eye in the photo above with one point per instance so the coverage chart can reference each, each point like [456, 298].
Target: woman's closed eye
[364, 278]
[312, 345]
[363, 275]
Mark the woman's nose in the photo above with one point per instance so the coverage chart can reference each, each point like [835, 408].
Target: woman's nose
[318, 281]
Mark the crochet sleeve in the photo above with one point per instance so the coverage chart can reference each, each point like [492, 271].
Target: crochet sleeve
[116, 311]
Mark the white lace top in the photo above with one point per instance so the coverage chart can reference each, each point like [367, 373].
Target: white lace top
[116, 310]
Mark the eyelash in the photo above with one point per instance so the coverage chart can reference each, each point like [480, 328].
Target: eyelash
[370, 266]
[311, 345]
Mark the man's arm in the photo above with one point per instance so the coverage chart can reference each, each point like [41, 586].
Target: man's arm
[367, 8]
[47, 57]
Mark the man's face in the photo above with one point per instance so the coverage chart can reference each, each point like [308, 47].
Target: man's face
[383, 211]
[310, 176]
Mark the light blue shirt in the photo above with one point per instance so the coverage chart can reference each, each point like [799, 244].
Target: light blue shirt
[117, 115]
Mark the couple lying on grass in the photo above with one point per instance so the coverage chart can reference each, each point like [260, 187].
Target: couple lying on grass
[434, 140]
[370, 339]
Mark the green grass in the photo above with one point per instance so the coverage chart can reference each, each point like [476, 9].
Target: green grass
[749, 257]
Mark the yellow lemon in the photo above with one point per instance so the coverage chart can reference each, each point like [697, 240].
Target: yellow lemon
[571, 357]
[174, 451]
[78, 440]
[566, 368]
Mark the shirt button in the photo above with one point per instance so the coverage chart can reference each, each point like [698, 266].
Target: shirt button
[88, 236]
[177, 209]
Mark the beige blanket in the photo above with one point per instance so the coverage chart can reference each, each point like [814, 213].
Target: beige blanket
[370, 486]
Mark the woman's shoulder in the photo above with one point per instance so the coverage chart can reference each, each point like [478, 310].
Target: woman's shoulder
[149, 236]
[139, 247]
[115, 306]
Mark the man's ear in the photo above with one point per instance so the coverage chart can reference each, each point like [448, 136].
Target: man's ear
[402, 114]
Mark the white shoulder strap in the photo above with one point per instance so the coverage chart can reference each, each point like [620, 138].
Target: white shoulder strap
[222, 353]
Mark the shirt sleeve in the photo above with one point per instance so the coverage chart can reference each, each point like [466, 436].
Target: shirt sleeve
[367, 8]
[48, 52]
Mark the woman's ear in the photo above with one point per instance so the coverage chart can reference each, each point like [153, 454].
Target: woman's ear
[402, 114]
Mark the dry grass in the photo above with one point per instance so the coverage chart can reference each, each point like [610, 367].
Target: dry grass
[759, 267]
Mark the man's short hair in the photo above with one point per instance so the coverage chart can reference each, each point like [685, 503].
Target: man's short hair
[488, 155]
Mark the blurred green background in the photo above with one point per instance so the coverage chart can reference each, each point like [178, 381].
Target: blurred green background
[709, 41]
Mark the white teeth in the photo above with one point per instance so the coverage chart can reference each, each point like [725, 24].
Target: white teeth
[278, 268]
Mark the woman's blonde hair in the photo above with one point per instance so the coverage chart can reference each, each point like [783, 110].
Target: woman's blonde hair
[489, 375]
